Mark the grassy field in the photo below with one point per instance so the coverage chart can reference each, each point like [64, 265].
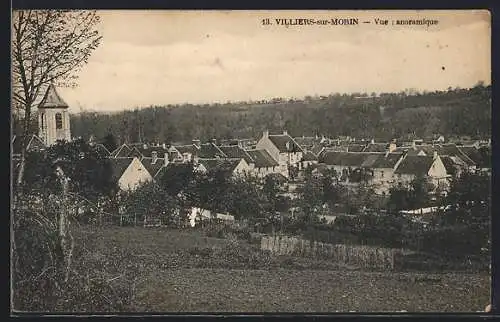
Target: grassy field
[183, 271]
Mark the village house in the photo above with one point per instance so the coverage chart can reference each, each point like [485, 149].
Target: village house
[188, 152]
[129, 173]
[232, 167]
[283, 149]
[430, 167]
[262, 163]
[237, 152]
[308, 159]
[210, 151]
[383, 167]
[343, 162]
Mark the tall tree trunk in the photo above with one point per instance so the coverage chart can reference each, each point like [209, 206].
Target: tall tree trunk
[66, 238]
[24, 145]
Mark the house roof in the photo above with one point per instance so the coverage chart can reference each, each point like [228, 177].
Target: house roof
[370, 159]
[225, 165]
[121, 151]
[118, 166]
[309, 156]
[356, 147]
[415, 165]
[52, 99]
[209, 151]
[347, 159]
[376, 147]
[189, 148]
[235, 152]
[285, 143]
[153, 168]
[317, 149]
[387, 161]
[472, 153]
[148, 151]
[307, 141]
[102, 149]
[262, 159]
[34, 144]
[449, 164]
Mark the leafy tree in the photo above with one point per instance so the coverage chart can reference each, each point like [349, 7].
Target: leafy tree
[176, 179]
[47, 46]
[110, 142]
[419, 192]
[399, 198]
[88, 169]
[151, 201]
[470, 198]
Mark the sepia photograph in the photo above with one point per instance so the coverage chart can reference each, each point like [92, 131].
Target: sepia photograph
[174, 161]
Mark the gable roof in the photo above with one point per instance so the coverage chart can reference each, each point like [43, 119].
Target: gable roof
[147, 151]
[189, 148]
[376, 147]
[370, 159]
[121, 152]
[153, 168]
[34, 144]
[347, 159]
[102, 149]
[235, 152]
[118, 166]
[262, 159]
[309, 156]
[307, 141]
[387, 161]
[224, 165]
[285, 143]
[472, 153]
[52, 99]
[355, 147]
[209, 151]
[415, 165]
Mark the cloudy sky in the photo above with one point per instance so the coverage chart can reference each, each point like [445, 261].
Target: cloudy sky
[160, 57]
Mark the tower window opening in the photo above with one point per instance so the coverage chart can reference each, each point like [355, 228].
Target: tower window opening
[59, 123]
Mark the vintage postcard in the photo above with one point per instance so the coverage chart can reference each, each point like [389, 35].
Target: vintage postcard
[251, 161]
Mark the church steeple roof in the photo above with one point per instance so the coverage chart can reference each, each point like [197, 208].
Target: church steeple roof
[52, 99]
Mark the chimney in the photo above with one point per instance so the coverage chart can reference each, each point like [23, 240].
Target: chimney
[285, 132]
[164, 146]
[372, 141]
[154, 156]
[214, 141]
[392, 147]
[145, 146]
[435, 155]
[265, 133]
[240, 144]
[414, 145]
[167, 161]
[196, 143]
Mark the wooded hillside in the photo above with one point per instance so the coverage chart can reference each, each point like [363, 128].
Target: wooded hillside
[383, 117]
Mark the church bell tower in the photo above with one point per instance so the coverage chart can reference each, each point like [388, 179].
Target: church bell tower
[53, 118]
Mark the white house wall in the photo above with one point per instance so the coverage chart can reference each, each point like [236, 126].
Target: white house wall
[134, 175]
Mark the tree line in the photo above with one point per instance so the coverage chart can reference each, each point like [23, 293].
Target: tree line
[456, 112]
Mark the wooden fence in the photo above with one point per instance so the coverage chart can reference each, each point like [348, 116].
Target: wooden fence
[357, 255]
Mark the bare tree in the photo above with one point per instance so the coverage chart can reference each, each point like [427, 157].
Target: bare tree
[48, 46]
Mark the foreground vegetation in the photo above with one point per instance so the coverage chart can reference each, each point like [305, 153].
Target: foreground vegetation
[167, 270]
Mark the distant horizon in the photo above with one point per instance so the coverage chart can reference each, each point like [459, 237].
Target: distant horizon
[408, 91]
